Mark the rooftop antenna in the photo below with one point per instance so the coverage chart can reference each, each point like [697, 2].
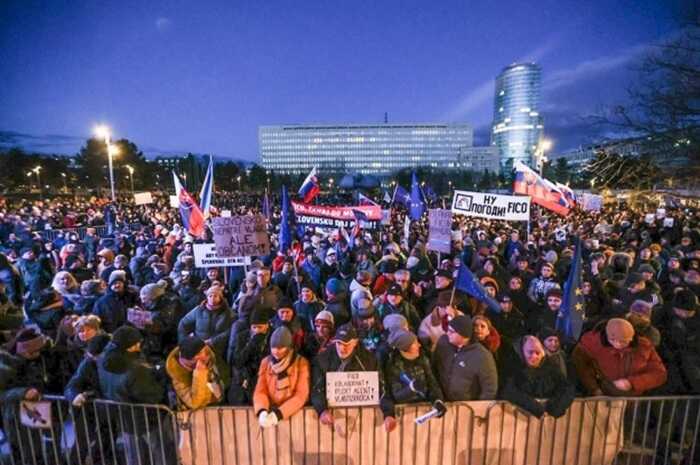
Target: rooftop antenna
[386, 117]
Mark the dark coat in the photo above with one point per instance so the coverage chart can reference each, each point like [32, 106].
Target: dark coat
[112, 307]
[244, 357]
[523, 385]
[206, 324]
[125, 377]
[397, 391]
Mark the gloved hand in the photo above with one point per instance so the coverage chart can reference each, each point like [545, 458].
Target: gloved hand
[79, 400]
[262, 419]
[272, 419]
[440, 407]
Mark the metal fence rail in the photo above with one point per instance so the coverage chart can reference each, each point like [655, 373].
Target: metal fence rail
[594, 431]
[101, 231]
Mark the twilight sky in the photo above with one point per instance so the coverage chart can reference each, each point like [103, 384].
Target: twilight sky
[200, 76]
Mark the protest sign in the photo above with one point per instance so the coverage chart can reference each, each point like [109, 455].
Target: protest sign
[174, 201]
[386, 217]
[226, 213]
[440, 230]
[668, 222]
[35, 414]
[492, 206]
[352, 388]
[205, 257]
[143, 198]
[336, 217]
[139, 318]
[660, 213]
[592, 202]
[241, 236]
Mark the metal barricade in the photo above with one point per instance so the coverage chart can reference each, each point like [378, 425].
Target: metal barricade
[100, 231]
[99, 432]
[594, 431]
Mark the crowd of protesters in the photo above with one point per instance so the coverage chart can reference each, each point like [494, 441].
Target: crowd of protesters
[126, 316]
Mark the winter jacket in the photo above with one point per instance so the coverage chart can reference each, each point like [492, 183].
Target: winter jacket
[524, 385]
[307, 312]
[398, 372]
[112, 307]
[244, 357]
[327, 361]
[406, 309]
[680, 351]
[35, 275]
[598, 364]
[466, 373]
[198, 388]
[126, 377]
[338, 307]
[213, 325]
[289, 400]
[14, 287]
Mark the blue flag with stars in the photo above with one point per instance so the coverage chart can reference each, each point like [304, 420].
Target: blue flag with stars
[570, 318]
[401, 196]
[467, 282]
[417, 204]
[285, 238]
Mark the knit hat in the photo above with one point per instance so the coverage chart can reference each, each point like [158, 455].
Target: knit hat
[388, 266]
[126, 336]
[503, 297]
[29, 340]
[619, 329]
[260, 315]
[335, 286]
[551, 257]
[394, 289]
[641, 307]
[401, 339]
[285, 302]
[90, 287]
[394, 321]
[554, 292]
[685, 299]
[548, 331]
[151, 292]
[117, 275]
[190, 347]
[634, 278]
[281, 337]
[462, 324]
[646, 268]
[363, 309]
[444, 274]
[325, 315]
[345, 333]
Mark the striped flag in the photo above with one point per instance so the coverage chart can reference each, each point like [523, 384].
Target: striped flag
[190, 213]
[207, 189]
[542, 191]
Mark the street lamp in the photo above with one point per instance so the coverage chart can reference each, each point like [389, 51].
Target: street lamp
[103, 133]
[544, 146]
[239, 182]
[36, 170]
[131, 176]
[29, 175]
[65, 186]
[330, 182]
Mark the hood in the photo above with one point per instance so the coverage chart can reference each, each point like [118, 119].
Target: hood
[116, 361]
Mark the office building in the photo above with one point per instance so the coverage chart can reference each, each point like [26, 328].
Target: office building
[479, 159]
[378, 149]
[189, 167]
[517, 124]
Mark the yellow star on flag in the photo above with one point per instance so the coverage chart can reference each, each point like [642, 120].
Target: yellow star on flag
[579, 306]
[579, 291]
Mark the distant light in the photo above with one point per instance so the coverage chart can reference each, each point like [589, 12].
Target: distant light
[102, 131]
[546, 144]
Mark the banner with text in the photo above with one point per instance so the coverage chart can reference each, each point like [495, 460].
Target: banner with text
[440, 230]
[492, 206]
[241, 236]
[205, 257]
[352, 388]
[143, 198]
[336, 217]
[592, 202]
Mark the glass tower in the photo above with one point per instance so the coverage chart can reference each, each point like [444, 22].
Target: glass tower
[517, 125]
[364, 148]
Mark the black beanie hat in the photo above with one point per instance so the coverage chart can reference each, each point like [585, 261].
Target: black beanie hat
[126, 336]
[98, 343]
[190, 346]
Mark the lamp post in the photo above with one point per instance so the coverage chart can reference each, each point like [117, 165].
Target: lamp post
[330, 182]
[36, 170]
[131, 177]
[239, 182]
[65, 186]
[29, 176]
[544, 146]
[102, 132]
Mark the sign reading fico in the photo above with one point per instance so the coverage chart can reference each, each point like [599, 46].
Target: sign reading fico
[492, 206]
[352, 388]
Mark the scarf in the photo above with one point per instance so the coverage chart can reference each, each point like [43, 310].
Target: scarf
[279, 367]
[437, 320]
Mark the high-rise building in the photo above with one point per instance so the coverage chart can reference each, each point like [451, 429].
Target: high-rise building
[365, 148]
[479, 159]
[517, 124]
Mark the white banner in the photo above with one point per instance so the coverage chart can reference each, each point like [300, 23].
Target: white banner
[352, 388]
[492, 206]
[440, 230]
[143, 198]
[205, 257]
[592, 202]
[174, 201]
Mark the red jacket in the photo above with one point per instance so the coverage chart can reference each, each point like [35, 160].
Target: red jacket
[596, 360]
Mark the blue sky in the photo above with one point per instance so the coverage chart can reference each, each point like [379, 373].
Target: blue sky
[201, 76]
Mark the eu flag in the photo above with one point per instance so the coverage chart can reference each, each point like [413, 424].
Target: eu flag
[285, 227]
[467, 282]
[570, 318]
[401, 196]
[417, 205]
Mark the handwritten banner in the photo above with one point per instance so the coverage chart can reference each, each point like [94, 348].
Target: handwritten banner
[241, 236]
[440, 230]
[352, 388]
[335, 217]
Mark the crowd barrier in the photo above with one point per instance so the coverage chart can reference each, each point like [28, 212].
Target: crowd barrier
[594, 431]
[101, 231]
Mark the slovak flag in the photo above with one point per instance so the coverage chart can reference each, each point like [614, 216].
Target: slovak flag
[569, 194]
[309, 189]
[542, 191]
[365, 201]
[191, 214]
[207, 190]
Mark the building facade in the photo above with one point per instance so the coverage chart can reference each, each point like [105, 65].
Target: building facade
[189, 167]
[517, 124]
[378, 149]
[479, 159]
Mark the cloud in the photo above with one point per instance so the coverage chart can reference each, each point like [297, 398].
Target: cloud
[48, 143]
[483, 93]
[163, 24]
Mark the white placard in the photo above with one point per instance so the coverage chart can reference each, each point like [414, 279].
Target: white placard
[35, 414]
[143, 198]
[592, 202]
[352, 388]
[205, 257]
[660, 213]
[226, 213]
[174, 201]
[649, 218]
[668, 222]
[440, 230]
[492, 206]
